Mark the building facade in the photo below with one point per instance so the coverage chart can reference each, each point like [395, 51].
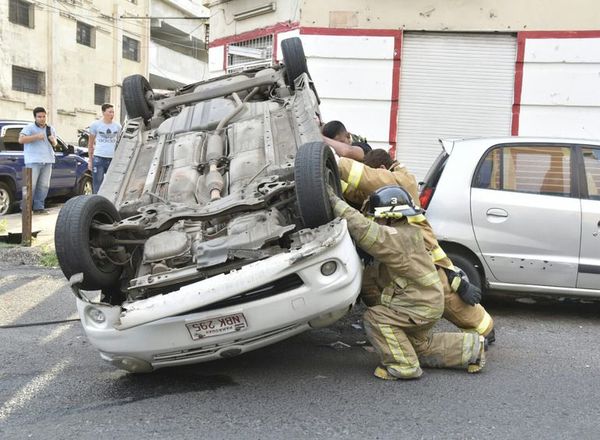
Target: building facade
[70, 56]
[404, 74]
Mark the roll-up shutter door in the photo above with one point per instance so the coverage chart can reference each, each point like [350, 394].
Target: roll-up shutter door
[452, 86]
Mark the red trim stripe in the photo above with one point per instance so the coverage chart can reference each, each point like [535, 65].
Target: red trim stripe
[256, 33]
[561, 34]
[350, 32]
[516, 109]
[395, 93]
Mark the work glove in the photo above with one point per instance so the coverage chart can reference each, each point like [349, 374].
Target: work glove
[469, 293]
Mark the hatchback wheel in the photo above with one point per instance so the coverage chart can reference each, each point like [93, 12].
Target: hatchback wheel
[80, 247]
[468, 267]
[138, 97]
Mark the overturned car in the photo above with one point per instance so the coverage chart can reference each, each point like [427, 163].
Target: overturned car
[212, 234]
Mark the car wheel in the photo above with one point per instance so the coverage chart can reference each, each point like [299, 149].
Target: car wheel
[7, 199]
[468, 267]
[84, 187]
[138, 97]
[78, 244]
[314, 170]
[294, 59]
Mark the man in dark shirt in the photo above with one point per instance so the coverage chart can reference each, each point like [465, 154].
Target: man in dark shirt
[344, 143]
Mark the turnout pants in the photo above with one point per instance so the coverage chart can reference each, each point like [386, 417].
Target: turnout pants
[405, 342]
[464, 316]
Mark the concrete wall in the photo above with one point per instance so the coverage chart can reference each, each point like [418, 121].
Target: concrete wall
[558, 86]
[456, 15]
[71, 69]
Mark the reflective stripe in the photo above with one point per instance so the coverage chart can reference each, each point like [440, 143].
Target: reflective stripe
[484, 324]
[429, 279]
[344, 186]
[369, 238]
[468, 348]
[401, 282]
[405, 366]
[437, 254]
[340, 207]
[419, 218]
[356, 172]
[455, 283]
[386, 296]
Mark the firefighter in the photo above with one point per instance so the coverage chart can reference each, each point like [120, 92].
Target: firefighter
[461, 298]
[405, 297]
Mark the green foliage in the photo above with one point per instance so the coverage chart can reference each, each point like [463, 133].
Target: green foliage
[48, 257]
[3, 225]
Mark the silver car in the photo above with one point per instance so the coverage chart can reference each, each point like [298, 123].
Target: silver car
[519, 214]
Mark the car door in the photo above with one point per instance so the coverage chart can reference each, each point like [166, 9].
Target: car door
[64, 170]
[589, 257]
[11, 154]
[526, 216]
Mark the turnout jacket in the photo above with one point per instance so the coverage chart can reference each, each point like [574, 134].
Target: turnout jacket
[403, 275]
[359, 181]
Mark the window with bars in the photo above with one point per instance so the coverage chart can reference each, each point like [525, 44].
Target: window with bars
[131, 49]
[249, 54]
[28, 80]
[86, 34]
[535, 169]
[21, 12]
[101, 94]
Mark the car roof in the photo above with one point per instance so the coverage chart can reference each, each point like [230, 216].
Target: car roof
[477, 143]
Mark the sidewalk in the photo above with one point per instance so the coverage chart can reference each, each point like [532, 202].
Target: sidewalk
[44, 223]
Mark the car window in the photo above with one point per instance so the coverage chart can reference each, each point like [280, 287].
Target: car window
[591, 161]
[10, 140]
[535, 169]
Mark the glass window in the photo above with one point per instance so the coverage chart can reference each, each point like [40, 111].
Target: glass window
[101, 94]
[535, 169]
[591, 161]
[20, 12]
[10, 140]
[86, 34]
[28, 80]
[131, 49]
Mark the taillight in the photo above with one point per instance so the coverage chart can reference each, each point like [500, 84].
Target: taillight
[425, 197]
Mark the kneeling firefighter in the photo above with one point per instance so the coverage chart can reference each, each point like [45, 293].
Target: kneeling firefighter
[405, 296]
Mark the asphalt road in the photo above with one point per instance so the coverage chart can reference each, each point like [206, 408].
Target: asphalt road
[542, 381]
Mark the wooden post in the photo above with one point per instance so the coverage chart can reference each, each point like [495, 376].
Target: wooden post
[26, 208]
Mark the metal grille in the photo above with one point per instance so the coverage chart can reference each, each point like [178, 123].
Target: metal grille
[101, 94]
[131, 49]
[249, 54]
[28, 80]
[20, 12]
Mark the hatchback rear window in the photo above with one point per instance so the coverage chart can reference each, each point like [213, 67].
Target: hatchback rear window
[535, 169]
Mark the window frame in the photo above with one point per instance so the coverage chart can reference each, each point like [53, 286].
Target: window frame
[106, 94]
[30, 13]
[574, 167]
[137, 51]
[92, 34]
[585, 192]
[41, 90]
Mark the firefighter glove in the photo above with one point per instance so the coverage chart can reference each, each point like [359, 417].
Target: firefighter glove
[469, 293]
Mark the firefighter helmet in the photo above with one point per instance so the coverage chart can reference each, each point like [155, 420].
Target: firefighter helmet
[392, 201]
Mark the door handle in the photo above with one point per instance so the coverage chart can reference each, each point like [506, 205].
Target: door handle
[595, 234]
[496, 212]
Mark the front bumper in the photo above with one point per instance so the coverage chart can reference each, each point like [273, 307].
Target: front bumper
[152, 333]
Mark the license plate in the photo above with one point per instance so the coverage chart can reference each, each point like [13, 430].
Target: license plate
[217, 326]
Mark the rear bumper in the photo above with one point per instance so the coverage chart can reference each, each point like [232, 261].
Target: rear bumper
[152, 333]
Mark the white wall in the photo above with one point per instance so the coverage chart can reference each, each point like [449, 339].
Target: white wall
[561, 88]
[169, 64]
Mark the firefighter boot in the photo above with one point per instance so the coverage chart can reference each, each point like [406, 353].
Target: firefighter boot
[477, 362]
[391, 373]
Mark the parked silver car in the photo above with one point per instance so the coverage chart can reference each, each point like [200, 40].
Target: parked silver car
[519, 214]
[212, 233]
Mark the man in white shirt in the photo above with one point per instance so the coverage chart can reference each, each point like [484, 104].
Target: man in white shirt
[101, 147]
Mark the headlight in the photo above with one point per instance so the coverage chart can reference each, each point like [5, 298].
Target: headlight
[96, 315]
[328, 268]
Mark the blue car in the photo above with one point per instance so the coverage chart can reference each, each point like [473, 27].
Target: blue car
[70, 174]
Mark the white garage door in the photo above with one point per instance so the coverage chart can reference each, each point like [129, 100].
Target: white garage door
[452, 86]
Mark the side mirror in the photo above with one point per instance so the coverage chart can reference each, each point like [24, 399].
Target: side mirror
[70, 149]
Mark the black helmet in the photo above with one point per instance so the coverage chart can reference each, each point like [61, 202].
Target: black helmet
[392, 201]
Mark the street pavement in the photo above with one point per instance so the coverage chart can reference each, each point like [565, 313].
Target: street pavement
[541, 381]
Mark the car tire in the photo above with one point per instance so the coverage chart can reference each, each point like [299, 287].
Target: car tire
[314, 170]
[72, 238]
[84, 187]
[294, 59]
[7, 199]
[470, 269]
[138, 98]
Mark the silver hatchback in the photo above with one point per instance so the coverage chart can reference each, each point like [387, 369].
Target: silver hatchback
[519, 214]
